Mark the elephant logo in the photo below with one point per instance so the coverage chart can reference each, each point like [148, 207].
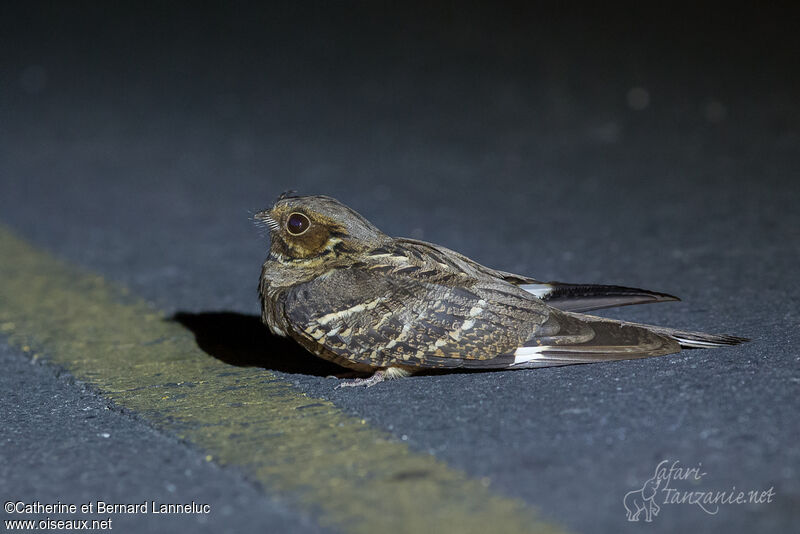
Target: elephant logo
[642, 500]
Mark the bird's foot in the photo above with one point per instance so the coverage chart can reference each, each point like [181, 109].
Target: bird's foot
[376, 378]
[346, 374]
[380, 375]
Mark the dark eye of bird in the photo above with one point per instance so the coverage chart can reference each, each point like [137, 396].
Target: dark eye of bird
[297, 224]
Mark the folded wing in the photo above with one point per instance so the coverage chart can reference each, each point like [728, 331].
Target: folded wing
[587, 297]
[564, 296]
[384, 320]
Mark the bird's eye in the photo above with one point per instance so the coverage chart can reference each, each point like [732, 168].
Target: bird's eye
[297, 224]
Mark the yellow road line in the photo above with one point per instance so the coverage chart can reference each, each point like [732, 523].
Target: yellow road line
[351, 476]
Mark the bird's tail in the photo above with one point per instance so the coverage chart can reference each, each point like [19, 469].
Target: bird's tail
[699, 340]
[579, 338]
[686, 338]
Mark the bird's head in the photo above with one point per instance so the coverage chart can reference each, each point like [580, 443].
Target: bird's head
[311, 228]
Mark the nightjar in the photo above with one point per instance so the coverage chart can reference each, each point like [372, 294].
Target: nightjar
[351, 294]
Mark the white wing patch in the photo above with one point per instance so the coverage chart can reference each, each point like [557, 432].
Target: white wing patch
[537, 290]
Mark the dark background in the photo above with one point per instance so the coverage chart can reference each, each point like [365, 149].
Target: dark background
[645, 146]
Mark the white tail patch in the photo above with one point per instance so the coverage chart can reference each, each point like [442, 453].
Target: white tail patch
[527, 354]
[693, 343]
[537, 290]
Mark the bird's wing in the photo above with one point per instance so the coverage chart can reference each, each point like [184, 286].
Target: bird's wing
[564, 296]
[587, 297]
[381, 319]
[435, 319]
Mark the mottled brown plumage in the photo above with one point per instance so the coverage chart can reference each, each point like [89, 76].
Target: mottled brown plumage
[353, 295]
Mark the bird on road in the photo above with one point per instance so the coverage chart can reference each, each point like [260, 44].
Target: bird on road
[391, 307]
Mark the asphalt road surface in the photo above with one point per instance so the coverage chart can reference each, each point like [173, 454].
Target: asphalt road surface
[614, 145]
